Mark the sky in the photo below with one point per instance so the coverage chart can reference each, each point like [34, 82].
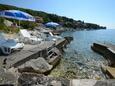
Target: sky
[101, 12]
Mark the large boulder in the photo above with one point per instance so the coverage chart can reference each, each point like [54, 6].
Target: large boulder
[30, 79]
[39, 65]
[7, 78]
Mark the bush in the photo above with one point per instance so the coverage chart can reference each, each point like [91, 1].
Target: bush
[8, 29]
[27, 24]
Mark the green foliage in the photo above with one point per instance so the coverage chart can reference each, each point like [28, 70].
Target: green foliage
[1, 20]
[2, 27]
[27, 24]
[6, 29]
[64, 21]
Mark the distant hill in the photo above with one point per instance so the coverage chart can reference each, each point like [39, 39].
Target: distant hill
[43, 17]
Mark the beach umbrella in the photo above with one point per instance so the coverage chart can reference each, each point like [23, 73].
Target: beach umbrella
[51, 24]
[16, 14]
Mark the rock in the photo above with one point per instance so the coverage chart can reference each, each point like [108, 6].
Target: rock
[7, 78]
[32, 79]
[55, 83]
[14, 71]
[68, 38]
[8, 23]
[39, 65]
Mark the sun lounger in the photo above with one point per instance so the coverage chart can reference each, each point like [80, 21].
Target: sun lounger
[7, 46]
[55, 37]
[26, 37]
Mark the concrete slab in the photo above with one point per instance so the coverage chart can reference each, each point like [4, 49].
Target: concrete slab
[111, 71]
[84, 82]
[28, 52]
[111, 47]
[90, 82]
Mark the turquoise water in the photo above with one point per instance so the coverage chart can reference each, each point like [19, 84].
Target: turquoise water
[79, 50]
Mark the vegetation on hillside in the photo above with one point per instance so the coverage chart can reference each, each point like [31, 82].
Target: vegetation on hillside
[7, 29]
[43, 17]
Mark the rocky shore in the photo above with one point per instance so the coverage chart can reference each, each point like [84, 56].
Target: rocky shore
[108, 52]
[31, 69]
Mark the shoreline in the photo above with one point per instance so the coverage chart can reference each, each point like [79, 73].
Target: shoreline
[68, 71]
[15, 61]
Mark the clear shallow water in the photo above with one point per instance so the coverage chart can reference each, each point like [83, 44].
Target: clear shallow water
[79, 51]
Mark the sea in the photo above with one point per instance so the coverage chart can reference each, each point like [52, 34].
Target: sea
[79, 51]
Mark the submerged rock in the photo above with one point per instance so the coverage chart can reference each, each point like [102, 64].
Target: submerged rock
[39, 65]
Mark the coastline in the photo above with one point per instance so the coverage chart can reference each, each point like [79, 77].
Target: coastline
[24, 56]
[67, 69]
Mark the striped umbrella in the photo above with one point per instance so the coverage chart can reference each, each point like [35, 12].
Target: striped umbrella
[51, 24]
[16, 14]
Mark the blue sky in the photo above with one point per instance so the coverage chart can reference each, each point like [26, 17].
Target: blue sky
[95, 11]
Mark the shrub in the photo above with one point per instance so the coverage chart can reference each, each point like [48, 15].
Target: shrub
[27, 24]
[8, 29]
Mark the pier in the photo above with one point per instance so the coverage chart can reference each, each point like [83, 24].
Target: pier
[30, 52]
[108, 52]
